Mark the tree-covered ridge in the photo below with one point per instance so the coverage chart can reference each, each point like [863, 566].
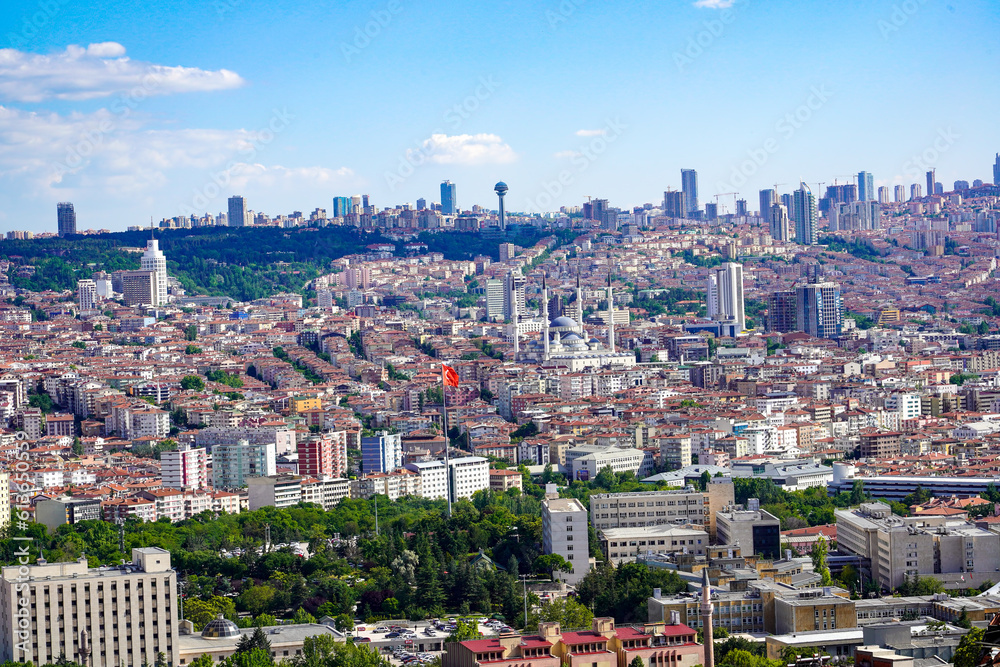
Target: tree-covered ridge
[246, 263]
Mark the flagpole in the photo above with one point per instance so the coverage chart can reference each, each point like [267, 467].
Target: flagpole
[447, 466]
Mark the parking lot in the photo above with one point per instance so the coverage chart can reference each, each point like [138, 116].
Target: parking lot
[416, 643]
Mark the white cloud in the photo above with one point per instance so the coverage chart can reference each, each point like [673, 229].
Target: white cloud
[100, 70]
[243, 175]
[463, 149]
[592, 133]
[564, 155]
[715, 4]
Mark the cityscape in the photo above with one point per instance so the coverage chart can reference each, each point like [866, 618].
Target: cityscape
[681, 350]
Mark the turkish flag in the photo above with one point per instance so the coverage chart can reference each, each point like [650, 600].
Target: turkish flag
[449, 376]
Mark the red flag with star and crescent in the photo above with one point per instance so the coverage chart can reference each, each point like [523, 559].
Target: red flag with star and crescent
[449, 376]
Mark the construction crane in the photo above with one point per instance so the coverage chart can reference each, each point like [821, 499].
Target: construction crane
[725, 194]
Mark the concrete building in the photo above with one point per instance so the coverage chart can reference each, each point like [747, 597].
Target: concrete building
[154, 260]
[649, 508]
[323, 455]
[565, 532]
[818, 309]
[754, 530]
[621, 545]
[66, 218]
[233, 464]
[140, 288]
[55, 512]
[586, 461]
[274, 491]
[724, 290]
[128, 611]
[433, 478]
[468, 474]
[381, 453]
[957, 553]
[86, 295]
[185, 468]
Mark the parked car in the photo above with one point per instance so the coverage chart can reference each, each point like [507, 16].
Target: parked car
[392, 635]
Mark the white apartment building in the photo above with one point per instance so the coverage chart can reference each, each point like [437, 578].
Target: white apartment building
[326, 491]
[128, 611]
[564, 532]
[86, 294]
[185, 468]
[649, 508]
[907, 405]
[433, 478]
[626, 544]
[587, 461]
[232, 465]
[468, 475]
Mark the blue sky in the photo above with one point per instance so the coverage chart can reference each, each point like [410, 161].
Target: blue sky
[132, 110]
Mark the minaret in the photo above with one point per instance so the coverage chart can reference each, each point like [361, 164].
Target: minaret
[515, 316]
[545, 319]
[611, 320]
[705, 611]
[579, 301]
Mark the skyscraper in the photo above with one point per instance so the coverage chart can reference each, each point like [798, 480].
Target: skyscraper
[238, 214]
[883, 194]
[674, 204]
[818, 309]
[915, 191]
[779, 223]
[781, 315]
[741, 207]
[449, 198]
[725, 294]
[767, 200]
[804, 203]
[140, 288]
[495, 298]
[514, 303]
[154, 260]
[66, 216]
[866, 186]
[689, 184]
[341, 206]
[996, 171]
[930, 182]
[900, 193]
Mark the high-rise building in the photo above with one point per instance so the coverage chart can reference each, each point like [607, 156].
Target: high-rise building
[915, 191]
[779, 223]
[507, 251]
[421, 204]
[961, 186]
[341, 206]
[781, 316]
[154, 260]
[86, 295]
[140, 288]
[381, 453]
[767, 201]
[883, 194]
[996, 171]
[564, 531]
[233, 464]
[675, 204]
[324, 455]
[185, 468]
[711, 211]
[818, 310]
[689, 184]
[866, 186]
[741, 207]
[931, 181]
[66, 216]
[787, 200]
[449, 198]
[495, 299]
[725, 294]
[804, 203]
[124, 614]
[900, 193]
[514, 303]
[239, 216]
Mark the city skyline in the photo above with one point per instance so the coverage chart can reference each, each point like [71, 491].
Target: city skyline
[220, 115]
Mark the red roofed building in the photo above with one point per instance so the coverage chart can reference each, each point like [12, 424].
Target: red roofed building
[507, 650]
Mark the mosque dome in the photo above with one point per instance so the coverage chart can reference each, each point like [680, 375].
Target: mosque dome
[563, 321]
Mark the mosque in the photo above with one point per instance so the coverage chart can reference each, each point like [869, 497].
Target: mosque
[564, 340]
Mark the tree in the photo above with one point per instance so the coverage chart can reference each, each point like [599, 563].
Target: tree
[77, 446]
[552, 563]
[637, 662]
[256, 640]
[79, 344]
[253, 658]
[820, 567]
[191, 332]
[970, 648]
[464, 631]
[568, 612]
[192, 383]
[205, 660]
[192, 349]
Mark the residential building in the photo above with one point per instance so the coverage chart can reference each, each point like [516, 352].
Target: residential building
[495, 298]
[185, 468]
[805, 215]
[649, 508]
[504, 480]
[779, 224]
[689, 184]
[818, 309]
[724, 291]
[55, 512]
[468, 474]
[767, 201]
[622, 545]
[565, 532]
[323, 455]
[449, 198]
[877, 444]
[232, 465]
[781, 311]
[675, 204]
[128, 611]
[239, 215]
[866, 186]
[381, 453]
[433, 478]
[86, 295]
[274, 491]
